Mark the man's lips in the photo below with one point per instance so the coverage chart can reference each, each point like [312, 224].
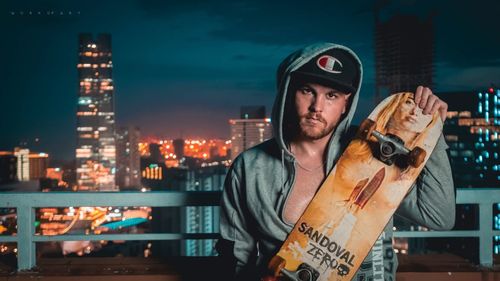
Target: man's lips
[314, 121]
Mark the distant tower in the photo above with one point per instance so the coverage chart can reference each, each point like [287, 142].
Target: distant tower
[252, 129]
[204, 219]
[39, 162]
[403, 61]
[128, 166]
[8, 167]
[179, 148]
[155, 152]
[472, 131]
[23, 163]
[95, 152]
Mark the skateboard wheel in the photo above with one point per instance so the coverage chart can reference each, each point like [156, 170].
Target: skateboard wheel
[365, 129]
[276, 264]
[416, 157]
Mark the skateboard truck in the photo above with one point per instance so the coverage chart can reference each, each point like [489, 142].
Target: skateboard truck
[391, 146]
[303, 273]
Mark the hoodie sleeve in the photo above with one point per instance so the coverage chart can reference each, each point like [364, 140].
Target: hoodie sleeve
[237, 245]
[431, 201]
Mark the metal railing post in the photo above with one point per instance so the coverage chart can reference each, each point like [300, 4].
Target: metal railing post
[26, 247]
[486, 234]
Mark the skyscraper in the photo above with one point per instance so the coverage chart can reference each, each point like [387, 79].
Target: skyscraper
[23, 163]
[203, 219]
[178, 148]
[252, 129]
[128, 170]
[403, 61]
[95, 152]
[472, 131]
[39, 162]
[8, 167]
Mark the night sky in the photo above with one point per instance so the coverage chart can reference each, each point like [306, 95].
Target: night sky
[183, 68]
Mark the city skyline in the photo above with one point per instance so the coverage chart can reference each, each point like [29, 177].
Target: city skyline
[169, 67]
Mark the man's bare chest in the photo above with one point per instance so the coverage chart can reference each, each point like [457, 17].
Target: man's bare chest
[303, 190]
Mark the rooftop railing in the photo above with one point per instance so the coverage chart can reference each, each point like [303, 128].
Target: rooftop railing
[25, 203]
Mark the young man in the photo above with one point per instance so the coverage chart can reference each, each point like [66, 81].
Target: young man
[269, 186]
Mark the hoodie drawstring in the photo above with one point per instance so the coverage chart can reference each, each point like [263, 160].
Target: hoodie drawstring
[282, 190]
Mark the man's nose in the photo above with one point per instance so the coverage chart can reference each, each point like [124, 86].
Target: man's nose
[317, 104]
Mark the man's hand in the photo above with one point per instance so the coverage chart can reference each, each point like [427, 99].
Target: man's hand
[430, 103]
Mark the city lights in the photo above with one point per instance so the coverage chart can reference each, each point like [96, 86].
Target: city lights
[107, 157]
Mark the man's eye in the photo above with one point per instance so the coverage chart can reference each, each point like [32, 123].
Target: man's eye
[306, 90]
[332, 95]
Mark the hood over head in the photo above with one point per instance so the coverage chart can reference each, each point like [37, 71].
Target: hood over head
[325, 63]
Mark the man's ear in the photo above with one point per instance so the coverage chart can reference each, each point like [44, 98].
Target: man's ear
[346, 102]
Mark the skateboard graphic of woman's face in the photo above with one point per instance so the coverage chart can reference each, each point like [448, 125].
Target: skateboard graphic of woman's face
[409, 117]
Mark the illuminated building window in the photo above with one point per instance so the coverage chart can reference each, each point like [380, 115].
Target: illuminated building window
[464, 114]
[106, 113]
[85, 113]
[83, 153]
[84, 100]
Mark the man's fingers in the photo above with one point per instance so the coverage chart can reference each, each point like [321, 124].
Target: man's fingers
[436, 106]
[426, 92]
[430, 103]
[429, 106]
[441, 107]
[418, 94]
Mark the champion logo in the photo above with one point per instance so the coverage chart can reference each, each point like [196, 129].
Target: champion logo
[329, 64]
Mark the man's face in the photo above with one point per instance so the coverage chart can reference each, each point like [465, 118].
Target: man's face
[409, 117]
[319, 109]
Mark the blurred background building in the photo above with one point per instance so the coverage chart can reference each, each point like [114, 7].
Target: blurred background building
[403, 61]
[96, 151]
[251, 129]
[128, 158]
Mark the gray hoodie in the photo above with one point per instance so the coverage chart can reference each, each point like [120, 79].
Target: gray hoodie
[260, 179]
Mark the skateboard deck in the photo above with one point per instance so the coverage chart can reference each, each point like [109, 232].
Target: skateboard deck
[357, 199]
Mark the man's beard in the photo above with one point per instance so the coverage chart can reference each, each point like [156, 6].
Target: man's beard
[309, 132]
